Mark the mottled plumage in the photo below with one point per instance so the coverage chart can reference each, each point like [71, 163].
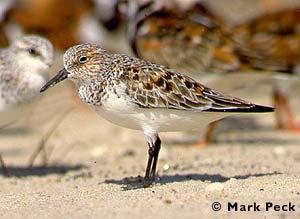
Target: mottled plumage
[24, 67]
[138, 94]
[155, 86]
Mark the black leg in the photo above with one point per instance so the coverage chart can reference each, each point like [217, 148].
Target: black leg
[150, 159]
[155, 157]
[153, 153]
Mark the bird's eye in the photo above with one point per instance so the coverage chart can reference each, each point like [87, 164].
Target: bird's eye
[32, 52]
[82, 59]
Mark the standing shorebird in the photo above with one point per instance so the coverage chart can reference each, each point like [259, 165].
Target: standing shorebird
[24, 68]
[140, 95]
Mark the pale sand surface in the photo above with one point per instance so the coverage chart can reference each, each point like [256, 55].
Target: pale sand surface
[91, 159]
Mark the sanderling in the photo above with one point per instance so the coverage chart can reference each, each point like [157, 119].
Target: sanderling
[24, 67]
[141, 95]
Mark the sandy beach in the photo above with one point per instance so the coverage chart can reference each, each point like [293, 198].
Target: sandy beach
[93, 167]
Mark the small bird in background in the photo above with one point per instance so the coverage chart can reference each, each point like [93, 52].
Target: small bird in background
[188, 38]
[24, 68]
[271, 42]
[141, 95]
[193, 39]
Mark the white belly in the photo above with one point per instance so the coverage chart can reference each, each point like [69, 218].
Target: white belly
[122, 113]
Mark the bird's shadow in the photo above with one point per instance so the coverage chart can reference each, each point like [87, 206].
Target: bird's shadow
[23, 171]
[132, 183]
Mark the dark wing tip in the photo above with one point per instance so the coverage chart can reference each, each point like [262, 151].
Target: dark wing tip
[261, 109]
[251, 109]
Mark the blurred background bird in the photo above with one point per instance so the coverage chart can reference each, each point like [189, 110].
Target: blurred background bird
[183, 35]
[64, 24]
[192, 37]
[271, 42]
[24, 68]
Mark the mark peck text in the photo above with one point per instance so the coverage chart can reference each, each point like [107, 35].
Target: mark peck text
[268, 206]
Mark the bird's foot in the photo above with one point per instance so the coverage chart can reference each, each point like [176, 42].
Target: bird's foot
[148, 181]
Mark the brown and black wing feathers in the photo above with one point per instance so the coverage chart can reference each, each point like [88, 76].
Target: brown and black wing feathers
[154, 86]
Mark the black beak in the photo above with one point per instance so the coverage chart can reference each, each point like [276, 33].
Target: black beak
[62, 75]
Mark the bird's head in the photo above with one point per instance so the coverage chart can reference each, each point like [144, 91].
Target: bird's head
[81, 63]
[33, 52]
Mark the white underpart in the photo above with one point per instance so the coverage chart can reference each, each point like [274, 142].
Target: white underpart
[123, 113]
